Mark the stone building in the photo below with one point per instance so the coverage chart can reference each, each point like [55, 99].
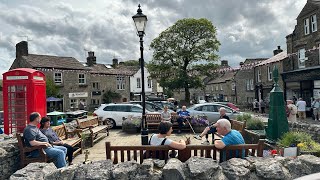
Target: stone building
[263, 74]
[302, 68]
[244, 79]
[78, 83]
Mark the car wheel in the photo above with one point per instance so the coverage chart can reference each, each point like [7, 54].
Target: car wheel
[111, 123]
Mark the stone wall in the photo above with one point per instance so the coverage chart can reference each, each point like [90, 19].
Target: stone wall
[195, 168]
[312, 129]
[9, 158]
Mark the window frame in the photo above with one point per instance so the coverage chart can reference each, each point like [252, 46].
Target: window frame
[301, 61]
[149, 83]
[138, 83]
[251, 84]
[269, 73]
[55, 78]
[95, 85]
[120, 82]
[306, 26]
[258, 75]
[233, 86]
[314, 25]
[82, 78]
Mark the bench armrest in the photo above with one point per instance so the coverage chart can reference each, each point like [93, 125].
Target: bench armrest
[29, 149]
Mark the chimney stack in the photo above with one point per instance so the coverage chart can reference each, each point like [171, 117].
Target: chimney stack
[224, 63]
[277, 51]
[241, 63]
[91, 59]
[114, 62]
[22, 49]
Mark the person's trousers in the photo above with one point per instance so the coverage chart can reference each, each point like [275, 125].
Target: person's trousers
[58, 153]
[302, 114]
[180, 121]
[70, 151]
[211, 131]
[316, 113]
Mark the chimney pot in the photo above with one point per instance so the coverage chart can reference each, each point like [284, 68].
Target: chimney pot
[114, 62]
[91, 59]
[22, 49]
[277, 51]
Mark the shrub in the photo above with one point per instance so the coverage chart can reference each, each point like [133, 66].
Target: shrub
[255, 124]
[244, 117]
[293, 138]
[131, 125]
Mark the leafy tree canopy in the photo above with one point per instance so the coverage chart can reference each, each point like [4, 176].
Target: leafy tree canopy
[131, 63]
[184, 53]
[51, 88]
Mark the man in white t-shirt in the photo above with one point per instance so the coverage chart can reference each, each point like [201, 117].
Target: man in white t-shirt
[301, 105]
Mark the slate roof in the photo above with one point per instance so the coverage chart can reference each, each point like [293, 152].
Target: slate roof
[277, 58]
[309, 7]
[228, 75]
[102, 69]
[58, 62]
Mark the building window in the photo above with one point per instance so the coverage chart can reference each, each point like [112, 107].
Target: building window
[301, 58]
[120, 83]
[259, 75]
[217, 87]
[58, 78]
[233, 86]
[251, 84]
[248, 85]
[306, 26]
[314, 27]
[82, 78]
[269, 73]
[95, 101]
[73, 103]
[149, 83]
[95, 85]
[138, 83]
[221, 87]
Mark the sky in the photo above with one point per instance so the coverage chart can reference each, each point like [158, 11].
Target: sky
[245, 28]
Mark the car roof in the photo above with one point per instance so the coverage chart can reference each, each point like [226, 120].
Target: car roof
[202, 104]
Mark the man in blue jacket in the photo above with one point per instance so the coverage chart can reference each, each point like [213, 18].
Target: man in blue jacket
[183, 116]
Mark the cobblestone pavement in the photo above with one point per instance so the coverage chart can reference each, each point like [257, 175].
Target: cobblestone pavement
[117, 137]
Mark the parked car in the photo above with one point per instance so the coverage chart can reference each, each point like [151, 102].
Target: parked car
[116, 113]
[149, 106]
[211, 110]
[164, 103]
[230, 105]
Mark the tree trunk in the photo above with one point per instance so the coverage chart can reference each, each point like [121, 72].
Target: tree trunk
[187, 95]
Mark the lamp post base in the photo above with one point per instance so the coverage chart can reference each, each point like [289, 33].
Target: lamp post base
[144, 137]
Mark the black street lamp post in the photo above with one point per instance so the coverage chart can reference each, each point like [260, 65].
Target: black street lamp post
[140, 21]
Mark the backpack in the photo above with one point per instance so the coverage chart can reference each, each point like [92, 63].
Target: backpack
[151, 153]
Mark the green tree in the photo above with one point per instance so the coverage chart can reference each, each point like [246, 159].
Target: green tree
[52, 89]
[131, 63]
[109, 96]
[184, 53]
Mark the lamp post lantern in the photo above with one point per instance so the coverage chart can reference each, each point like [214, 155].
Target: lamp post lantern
[140, 21]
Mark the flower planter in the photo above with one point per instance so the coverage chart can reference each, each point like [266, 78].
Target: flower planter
[253, 136]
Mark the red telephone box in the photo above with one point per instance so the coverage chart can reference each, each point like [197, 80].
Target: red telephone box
[24, 92]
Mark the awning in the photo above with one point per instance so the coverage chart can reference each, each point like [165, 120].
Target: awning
[53, 99]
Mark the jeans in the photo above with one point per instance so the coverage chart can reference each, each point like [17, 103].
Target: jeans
[180, 121]
[58, 153]
[70, 151]
[211, 131]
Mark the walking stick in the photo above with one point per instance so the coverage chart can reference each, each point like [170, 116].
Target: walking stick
[190, 125]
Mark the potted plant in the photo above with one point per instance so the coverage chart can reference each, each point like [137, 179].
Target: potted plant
[254, 130]
[132, 125]
[303, 141]
[199, 123]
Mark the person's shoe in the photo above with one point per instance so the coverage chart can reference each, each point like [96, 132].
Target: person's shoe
[205, 142]
[197, 137]
[70, 163]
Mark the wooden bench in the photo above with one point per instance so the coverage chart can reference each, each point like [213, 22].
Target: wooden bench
[153, 121]
[72, 138]
[92, 124]
[128, 153]
[25, 150]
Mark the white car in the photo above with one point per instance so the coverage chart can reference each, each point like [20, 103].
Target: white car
[116, 113]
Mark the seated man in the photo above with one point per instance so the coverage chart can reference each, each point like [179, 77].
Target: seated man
[183, 116]
[54, 138]
[212, 129]
[230, 137]
[34, 137]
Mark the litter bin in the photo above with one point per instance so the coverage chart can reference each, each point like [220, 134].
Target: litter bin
[57, 118]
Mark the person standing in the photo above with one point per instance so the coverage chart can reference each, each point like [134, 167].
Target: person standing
[34, 137]
[262, 106]
[315, 107]
[301, 105]
[291, 111]
[255, 104]
[54, 138]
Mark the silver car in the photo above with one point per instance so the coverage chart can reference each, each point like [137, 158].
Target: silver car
[211, 110]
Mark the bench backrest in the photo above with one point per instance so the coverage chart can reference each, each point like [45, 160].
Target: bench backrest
[125, 153]
[239, 126]
[88, 122]
[61, 131]
[156, 118]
